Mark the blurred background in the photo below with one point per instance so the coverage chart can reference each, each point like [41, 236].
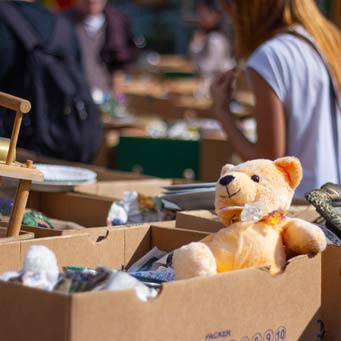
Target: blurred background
[156, 109]
[176, 18]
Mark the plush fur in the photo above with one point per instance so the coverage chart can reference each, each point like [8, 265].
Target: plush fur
[245, 243]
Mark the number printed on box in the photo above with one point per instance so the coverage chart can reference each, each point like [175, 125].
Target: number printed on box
[257, 337]
[269, 335]
[281, 334]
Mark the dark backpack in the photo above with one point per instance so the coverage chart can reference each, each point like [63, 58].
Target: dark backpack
[64, 121]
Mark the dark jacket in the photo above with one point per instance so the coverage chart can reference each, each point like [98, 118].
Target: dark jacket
[119, 49]
[12, 53]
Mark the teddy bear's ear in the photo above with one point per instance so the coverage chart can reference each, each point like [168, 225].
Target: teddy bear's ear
[226, 168]
[291, 167]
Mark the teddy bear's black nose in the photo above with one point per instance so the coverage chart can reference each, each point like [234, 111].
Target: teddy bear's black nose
[225, 180]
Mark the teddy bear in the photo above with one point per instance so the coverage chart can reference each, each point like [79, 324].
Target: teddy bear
[251, 200]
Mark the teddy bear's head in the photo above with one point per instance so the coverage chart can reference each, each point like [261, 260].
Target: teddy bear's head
[270, 182]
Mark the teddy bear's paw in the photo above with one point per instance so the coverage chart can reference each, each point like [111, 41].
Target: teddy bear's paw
[318, 244]
[304, 237]
[192, 260]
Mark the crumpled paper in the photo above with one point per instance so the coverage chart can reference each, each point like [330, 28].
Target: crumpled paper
[134, 208]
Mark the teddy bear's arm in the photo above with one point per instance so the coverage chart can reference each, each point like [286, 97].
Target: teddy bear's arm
[303, 237]
[194, 259]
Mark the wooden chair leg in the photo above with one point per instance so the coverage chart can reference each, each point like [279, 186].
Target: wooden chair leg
[19, 206]
[14, 138]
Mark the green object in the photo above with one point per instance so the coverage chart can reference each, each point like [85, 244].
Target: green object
[161, 157]
[178, 74]
[73, 268]
[36, 219]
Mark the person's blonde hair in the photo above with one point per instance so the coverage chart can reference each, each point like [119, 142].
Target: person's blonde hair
[255, 21]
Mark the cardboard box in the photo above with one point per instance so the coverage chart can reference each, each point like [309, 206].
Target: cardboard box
[85, 210]
[243, 305]
[208, 221]
[45, 233]
[200, 220]
[23, 235]
[115, 189]
[37, 232]
[331, 298]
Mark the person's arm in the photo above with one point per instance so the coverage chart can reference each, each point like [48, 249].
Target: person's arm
[119, 51]
[268, 112]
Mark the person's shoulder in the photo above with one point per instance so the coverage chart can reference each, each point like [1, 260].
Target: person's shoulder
[278, 47]
[274, 43]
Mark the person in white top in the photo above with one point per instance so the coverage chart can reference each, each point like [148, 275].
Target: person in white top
[210, 48]
[296, 79]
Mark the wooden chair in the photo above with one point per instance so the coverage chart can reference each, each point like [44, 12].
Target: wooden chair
[26, 173]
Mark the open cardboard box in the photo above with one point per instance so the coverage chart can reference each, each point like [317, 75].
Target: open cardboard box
[208, 221]
[331, 288]
[37, 232]
[243, 305]
[199, 220]
[89, 208]
[23, 235]
[115, 189]
[85, 210]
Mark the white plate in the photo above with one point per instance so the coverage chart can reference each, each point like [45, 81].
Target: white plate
[57, 186]
[65, 174]
[59, 178]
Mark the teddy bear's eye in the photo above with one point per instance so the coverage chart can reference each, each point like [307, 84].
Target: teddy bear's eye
[255, 178]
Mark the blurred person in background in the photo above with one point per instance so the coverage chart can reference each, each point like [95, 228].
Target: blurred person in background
[106, 42]
[297, 88]
[210, 48]
[40, 61]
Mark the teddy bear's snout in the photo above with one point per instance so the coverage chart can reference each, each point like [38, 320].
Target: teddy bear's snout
[226, 180]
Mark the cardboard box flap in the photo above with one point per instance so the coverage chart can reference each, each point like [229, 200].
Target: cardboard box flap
[199, 220]
[171, 239]
[137, 243]
[86, 210]
[141, 239]
[94, 249]
[331, 289]
[210, 301]
[115, 190]
[245, 303]
[33, 307]
[10, 257]
[205, 220]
